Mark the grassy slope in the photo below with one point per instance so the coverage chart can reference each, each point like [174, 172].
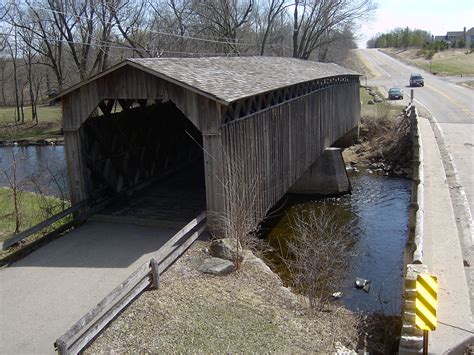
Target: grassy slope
[449, 62]
[32, 207]
[463, 64]
[49, 124]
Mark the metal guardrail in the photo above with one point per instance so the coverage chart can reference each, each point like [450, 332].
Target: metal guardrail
[81, 333]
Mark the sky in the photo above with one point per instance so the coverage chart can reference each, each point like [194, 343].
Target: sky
[435, 16]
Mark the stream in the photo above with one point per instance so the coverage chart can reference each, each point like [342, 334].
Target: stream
[41, 167]
[377, 215]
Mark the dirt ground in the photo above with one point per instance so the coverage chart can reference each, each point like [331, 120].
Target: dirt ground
[246, 311]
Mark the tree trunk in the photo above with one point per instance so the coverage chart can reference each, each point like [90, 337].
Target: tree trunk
[295, 30]
[2, 88]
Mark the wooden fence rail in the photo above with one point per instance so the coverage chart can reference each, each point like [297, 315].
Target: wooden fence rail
[90, 325]
[36, 228]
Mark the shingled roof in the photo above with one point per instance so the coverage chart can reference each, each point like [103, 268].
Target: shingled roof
[228, 79]
[232, 78]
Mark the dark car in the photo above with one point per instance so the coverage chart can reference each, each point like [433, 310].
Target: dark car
[395, 94]
[416, 80]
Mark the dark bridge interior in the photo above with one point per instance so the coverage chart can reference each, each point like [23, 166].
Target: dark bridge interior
[149, 160]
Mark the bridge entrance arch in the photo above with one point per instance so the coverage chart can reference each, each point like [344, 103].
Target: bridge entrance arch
[274, 116]
[146, 158]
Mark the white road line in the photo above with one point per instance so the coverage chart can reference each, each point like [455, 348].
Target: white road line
[462, 193]
[379, 65]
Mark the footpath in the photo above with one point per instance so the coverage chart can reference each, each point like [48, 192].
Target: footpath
[45, 293]
[442, 253]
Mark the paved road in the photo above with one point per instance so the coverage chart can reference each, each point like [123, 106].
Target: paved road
[452, 107]
[45, 293]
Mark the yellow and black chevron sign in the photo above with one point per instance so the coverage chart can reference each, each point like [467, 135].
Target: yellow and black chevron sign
[426, 302]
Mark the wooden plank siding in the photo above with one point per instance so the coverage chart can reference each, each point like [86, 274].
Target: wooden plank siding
[276, 135]
[127, 83]
[276, 146]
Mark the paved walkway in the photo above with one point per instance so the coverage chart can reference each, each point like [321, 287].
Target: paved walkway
[442, 251]
[44, 294]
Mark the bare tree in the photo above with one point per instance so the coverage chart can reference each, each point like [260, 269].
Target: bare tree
[224, 19]
[318, 253]
[129, 16]
[273, 10]
[3, 64]
[45, 41]
[15, 185]
[239, 221]
[320, 17]
[18, 87]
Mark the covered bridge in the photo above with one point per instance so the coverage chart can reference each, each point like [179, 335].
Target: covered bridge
[262, 121]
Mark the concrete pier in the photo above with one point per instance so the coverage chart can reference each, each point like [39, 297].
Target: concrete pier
[327, 176]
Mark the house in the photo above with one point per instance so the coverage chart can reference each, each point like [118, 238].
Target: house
[452, 37]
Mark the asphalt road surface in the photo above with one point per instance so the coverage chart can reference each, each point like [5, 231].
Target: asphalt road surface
[450, 104]
[451, 107]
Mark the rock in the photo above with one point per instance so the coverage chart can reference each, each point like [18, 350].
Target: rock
[372, 93]
[407, 171]
[378, 99]
[248, 255]
[366, 287]
[336, 295]
[340, 349]
[466, 263]
[226, 248]
[360, 282]
[370, 102]
[250, 258]
[216, 266]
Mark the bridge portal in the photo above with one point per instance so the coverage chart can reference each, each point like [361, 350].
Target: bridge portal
[261, 120]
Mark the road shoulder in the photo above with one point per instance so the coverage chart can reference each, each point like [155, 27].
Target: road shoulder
[442, 251]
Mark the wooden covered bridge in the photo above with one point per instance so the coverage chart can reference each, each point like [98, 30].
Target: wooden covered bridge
[201, 122]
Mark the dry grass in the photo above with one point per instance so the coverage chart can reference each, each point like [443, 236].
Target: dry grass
[448, 62]
[246, 312]
[240, 220]
[382, 137]
[318, 254]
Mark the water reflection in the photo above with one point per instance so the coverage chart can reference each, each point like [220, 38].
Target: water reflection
[377, 214]
[37, 167]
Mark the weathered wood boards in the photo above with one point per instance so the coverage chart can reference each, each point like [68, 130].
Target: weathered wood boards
[84, 330]
[30, 231]
[276, 134]
[277, 145]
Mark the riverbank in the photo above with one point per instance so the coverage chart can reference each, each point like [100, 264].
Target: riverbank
[29, 142]
[48, 128]
[244, 312]
[384, 144]
[32, 209]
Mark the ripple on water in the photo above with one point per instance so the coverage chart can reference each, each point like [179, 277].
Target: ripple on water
[40, 162]
[377, 212]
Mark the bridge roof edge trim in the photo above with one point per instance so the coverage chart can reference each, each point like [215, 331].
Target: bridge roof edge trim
[228, 79]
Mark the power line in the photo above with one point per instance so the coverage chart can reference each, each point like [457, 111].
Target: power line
[151, 31]
[106, 44]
